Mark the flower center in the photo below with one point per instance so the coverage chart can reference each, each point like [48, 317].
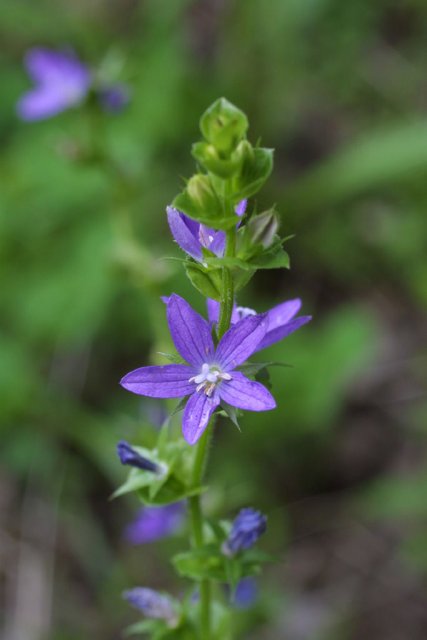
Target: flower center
[209, 378]
[244, 312]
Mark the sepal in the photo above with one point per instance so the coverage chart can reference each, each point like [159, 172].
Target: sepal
[256, 167]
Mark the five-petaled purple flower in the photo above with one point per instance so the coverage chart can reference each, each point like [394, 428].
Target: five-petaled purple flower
[152, 604]
[61, 80]
[154, 523]
[281, 321]
[193, 237]
[247, 527]
[210, 375]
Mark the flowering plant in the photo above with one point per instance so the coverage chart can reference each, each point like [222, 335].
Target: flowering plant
[225, 244]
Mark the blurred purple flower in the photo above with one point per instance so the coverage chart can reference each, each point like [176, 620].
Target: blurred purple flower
[280, 319]
[193, 237]
[247, 527]
[154, 523]
[211, 375]
[114, 98]
[245, 593]
[61, 81]
[152, 604]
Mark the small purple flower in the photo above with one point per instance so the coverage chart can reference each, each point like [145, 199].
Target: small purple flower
[245, 593]
[114, 98]
[193, 237]
[61, 80]
[210, 376]
[128, 455]
[154, 523]
[247, 527]
[280, 319]
[152, 604]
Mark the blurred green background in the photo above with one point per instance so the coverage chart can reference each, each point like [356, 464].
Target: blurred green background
[339, 89]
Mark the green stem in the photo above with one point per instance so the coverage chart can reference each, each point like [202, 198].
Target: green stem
[196, 519]
[200, 457]
[227, 298]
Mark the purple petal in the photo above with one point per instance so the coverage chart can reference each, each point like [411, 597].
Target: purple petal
[48, 67]
[240, 341]
[185, 233]
[169, 381]
[282, 313]
[217, 245]
[153, 523]
[213, 308]
[190, 332]
[41, 103]
[197, 413]
[281, 332]
[241, 208]
[246, 394]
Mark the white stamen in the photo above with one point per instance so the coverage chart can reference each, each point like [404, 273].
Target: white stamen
[209, 378]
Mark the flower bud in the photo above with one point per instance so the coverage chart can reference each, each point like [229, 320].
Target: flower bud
[209, 157]
[152, 604]
[262, 228]
[248, 526]
[128, 455]
[223, 125]
[203, 196]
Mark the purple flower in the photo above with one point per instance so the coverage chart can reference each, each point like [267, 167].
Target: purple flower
[128, 455]
[193, 237]
[61, 80]
[245, 594]
[153, 523]
[280, 319]
[152, 604]
[114, 98]
[248, 526]
[210, 375]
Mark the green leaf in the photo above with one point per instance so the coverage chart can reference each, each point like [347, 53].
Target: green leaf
[199, 564]
[209, 283]
[256, 168]
[231, 413]
[273, 259]
[139, 478]
[172, 357]
[210, 563]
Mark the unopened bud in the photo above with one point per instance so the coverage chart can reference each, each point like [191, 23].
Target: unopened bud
[223, 125]
[262, 228]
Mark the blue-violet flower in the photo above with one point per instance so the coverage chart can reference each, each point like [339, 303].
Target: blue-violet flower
[193, 237]
[152, 604]
[247, 527]
[210, 375]
[61, 81]
[280, 319]
[245, 593]
[154, 523]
